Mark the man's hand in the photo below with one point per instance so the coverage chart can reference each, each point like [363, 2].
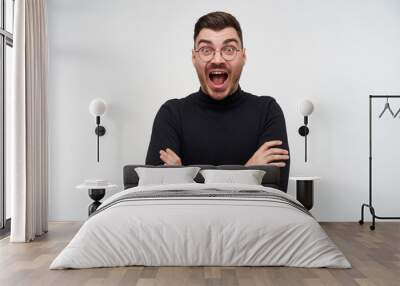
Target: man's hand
[170, 158]
[266, 154]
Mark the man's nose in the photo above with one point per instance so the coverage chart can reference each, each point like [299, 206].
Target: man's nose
[217, 58]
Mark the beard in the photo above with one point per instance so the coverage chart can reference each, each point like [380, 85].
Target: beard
[216, 93]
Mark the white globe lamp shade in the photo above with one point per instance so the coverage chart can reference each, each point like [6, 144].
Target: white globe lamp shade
[97, 107]
[306, 107]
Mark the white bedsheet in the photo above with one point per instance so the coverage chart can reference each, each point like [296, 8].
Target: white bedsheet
[193, 231]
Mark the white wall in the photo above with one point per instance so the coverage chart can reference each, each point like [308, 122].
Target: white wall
[136, 55]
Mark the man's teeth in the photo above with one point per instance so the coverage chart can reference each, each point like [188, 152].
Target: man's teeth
[218, 72]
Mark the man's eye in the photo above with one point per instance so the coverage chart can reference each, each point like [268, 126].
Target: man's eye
[206, 50]
[229, 49]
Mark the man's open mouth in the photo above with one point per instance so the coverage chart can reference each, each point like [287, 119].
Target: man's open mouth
[218, 78]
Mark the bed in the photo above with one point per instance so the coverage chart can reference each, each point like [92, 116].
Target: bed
[201, 224]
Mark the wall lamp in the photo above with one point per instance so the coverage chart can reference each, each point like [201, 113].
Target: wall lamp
[306, 107]
[97, 108]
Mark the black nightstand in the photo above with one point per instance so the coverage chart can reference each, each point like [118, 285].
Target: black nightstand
[96, 193]
[305, 190]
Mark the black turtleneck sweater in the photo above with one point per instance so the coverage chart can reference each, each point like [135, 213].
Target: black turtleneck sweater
[201, 130]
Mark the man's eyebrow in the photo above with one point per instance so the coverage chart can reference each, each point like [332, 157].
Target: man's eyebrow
[231, 40]
[204, 41]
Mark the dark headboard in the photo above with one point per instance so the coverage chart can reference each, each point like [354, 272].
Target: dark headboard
[270, 179]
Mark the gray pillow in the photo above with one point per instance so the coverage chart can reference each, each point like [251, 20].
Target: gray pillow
[165, 176]
[248, 177]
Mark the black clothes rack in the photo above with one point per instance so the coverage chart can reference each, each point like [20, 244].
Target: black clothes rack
[369, 205]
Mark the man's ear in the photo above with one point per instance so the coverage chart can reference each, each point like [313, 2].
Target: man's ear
[244, 56]
[193, 57]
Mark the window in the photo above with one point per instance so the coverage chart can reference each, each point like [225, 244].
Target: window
[6, 44]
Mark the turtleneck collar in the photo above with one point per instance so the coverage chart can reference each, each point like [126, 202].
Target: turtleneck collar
[228, 101]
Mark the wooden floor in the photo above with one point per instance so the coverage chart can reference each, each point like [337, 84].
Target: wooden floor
[374, 255]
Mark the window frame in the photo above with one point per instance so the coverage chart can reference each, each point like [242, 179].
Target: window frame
[6, 39]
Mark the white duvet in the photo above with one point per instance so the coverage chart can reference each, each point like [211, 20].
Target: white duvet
[200, 231]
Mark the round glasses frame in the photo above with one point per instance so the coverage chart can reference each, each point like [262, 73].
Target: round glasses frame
[224, 53]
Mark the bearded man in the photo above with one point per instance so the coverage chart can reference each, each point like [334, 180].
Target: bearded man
[220, 124]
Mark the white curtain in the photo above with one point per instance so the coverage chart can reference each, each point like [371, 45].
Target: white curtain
[28, 160]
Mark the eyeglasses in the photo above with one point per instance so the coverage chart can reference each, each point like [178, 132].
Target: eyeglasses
[228, 53]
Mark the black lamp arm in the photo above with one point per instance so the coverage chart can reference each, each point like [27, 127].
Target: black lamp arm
[303, 131]
[100, 131]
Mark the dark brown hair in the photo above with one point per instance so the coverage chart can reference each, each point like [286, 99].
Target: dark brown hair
[217, 21]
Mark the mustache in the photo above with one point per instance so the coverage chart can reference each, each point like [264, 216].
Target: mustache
[217, 66]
